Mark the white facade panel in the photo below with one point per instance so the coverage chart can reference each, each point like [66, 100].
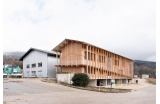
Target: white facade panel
[52, 61]
[145, 76]
[35, 57]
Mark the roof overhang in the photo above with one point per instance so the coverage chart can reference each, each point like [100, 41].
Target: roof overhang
[49, 53]
[59, 47]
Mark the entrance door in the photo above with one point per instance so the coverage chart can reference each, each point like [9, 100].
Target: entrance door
[108, 81]
[98, 82]
[27, 73]
[34, 74]
[40, 73]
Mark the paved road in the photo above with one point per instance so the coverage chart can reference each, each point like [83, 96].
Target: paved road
[33, 91]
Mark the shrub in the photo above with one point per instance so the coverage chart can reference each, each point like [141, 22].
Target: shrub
[80, 79]
[151, 81]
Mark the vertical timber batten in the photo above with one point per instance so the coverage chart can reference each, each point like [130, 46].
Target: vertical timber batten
[97, 63]
[56, 62]
[87, 58]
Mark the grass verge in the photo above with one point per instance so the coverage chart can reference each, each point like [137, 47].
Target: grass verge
[151, 81]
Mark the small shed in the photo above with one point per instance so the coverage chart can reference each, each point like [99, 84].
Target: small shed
[145, 76]
[135, 76]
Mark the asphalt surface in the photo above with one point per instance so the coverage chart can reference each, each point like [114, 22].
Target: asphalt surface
[33, 91]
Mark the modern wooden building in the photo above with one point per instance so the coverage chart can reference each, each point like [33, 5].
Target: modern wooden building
[99, 64]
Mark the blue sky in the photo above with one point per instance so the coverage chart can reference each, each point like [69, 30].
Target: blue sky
[126, 27]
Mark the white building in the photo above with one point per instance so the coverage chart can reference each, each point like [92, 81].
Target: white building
[39, 63]
[145, 76]
[135, 76]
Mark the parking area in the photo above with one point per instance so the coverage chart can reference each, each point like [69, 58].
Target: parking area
[33, 91]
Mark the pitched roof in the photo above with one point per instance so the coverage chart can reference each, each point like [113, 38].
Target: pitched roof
[59, 47]
[51, 53]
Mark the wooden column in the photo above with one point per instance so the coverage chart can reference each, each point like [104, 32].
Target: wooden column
[57, 62]
[87, 57]
[76, 53]
[98, 59]
[90, 61]
[96, 62]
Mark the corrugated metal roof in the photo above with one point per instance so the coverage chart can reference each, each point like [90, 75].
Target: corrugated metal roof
[31, 49]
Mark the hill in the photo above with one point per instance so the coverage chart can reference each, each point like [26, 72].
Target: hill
[145, 67]
[15, 55]
[13, 58]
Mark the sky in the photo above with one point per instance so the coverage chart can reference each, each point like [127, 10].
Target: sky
[125, 27]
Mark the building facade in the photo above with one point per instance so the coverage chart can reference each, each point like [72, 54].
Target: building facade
[100, 65]
[145, 76]
[39, 63]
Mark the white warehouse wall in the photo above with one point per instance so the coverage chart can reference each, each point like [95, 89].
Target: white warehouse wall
[51, 70]
[35, 57]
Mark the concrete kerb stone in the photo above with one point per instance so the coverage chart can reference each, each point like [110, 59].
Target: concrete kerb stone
[96, 89]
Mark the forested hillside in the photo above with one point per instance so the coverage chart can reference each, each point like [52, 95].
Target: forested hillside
[13, 58]
[145, 67]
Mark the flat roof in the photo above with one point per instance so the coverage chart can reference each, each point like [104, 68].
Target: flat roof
[59, 47]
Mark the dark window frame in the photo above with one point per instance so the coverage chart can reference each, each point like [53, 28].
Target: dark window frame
[40, 64]
[85, 54]
[28, 66]
[34, 65]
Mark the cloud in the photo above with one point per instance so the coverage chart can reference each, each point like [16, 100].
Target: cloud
[125, 27]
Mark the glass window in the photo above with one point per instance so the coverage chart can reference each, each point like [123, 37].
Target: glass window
[33, 65]
[89, 70]
[40, 64]
[28, 66]
[85, 69]
[33, 73]
[99, 58]
[91, 56]
[85, 55]
[88, 55]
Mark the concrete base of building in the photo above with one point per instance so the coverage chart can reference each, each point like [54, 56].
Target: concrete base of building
[107, 82]
[65, 77]
[101, 82]
[92, 82]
